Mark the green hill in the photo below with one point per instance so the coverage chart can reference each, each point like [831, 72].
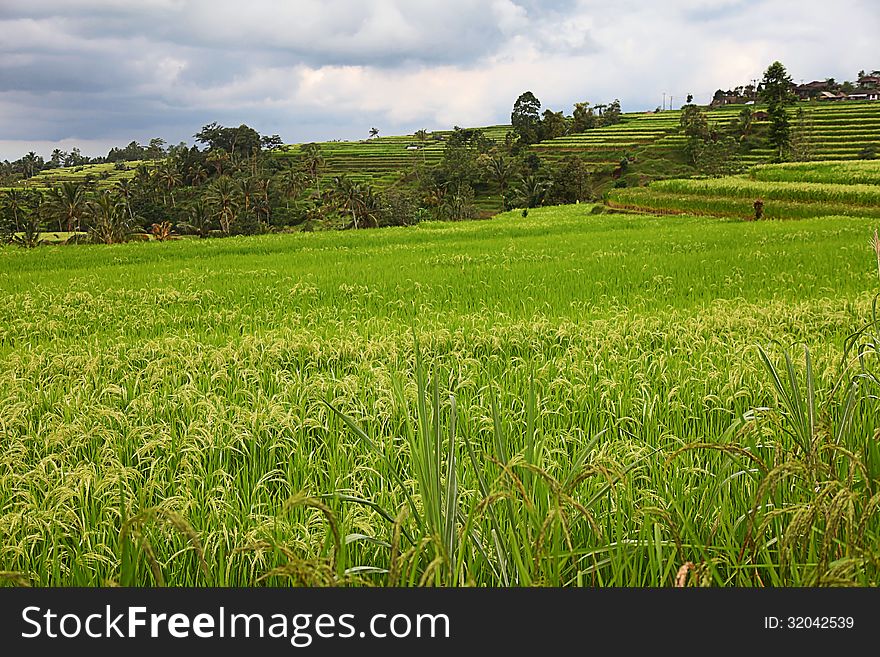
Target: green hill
[652, 142]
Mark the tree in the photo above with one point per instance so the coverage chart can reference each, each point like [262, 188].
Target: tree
[571, 181]
[75, 158]
[313, 162]
[461, 158]
[68, 203]
[583, 118]
[197, 174]
[218, 158]
[374, 132]
[57, 158]
[247, 188]
[717, 157]
[693, 122]
[270, 143]
[401, 209]
[241, 141]
[221, 197]
[458, 204]
[125, 189]
[20, 217]
[156, 149]
[531, 191]
[611, 115]
[553, 124]
[15, 206]
[690, 99]
[31, 164]
[775, 90]
[198, 218]
[499, 168]
[358, 201]
[525, 117]
[745, 122]
[169, 178]
[293, 183]
[108, 220]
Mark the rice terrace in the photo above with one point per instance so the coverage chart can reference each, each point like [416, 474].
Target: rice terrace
[601, 349]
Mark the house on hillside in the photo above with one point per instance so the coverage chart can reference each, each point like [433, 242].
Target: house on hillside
[720, 100]
[829, 95]
[864, 94]
[871, 81]
[810, 89]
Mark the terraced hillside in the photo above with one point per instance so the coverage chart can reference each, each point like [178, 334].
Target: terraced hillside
[836, 131]
[383, 161]
[787, 191]
[841, 131]
[102, 175]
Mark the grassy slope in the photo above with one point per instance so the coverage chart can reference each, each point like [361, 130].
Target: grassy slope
[653, 140]
[835, 185]
[188, 376]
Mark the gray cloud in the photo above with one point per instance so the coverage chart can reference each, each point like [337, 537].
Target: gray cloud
[108, 71]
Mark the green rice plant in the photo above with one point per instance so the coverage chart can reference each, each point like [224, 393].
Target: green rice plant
[517, 526]
[862, 172]
[814, 509]
[650, 200]
[736, 187]
[564, 358]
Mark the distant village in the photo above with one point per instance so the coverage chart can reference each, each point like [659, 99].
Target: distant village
[867, 87]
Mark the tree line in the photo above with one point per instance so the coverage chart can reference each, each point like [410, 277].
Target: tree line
[236, 181]
[531, 126]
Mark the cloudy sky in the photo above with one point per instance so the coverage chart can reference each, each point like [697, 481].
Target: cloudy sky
[98, 73]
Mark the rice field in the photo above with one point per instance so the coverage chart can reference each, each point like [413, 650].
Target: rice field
[102, 175]
[788, 191]
[841, 173]
[837, 131]
[570, 399]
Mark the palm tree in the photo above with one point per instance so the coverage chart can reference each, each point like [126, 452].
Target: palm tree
[145, 181]
[313, 162]
[222, 198]
[217, 158]
[198, 218]
[247, 187]
[170, 178]
[109, 221]
[500, 169]
[68, 203]
[293, 184]
[346, 196]
[15, 204]
[197, 174]
[370, 207]
[746, 122]
[261, 203]
[29, 162]
[359, 201]
[374, 132]
[125, 189]
[531, 191]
